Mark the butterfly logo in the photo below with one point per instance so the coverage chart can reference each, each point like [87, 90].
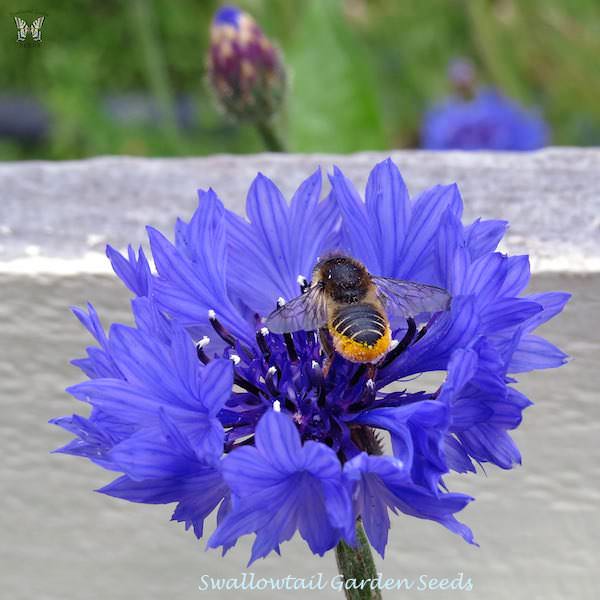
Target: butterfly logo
[35, 29]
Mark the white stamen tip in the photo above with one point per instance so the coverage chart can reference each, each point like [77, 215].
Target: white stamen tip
[264, 331]
[370, 384]
[235, 359]
[314, 364]
[203, 342]
[212, 314]
[301, 280]
[393, 344]
[271, 371]
[280, 301]
[277, 406]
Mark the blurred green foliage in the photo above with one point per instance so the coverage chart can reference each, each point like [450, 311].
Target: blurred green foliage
[362, 72]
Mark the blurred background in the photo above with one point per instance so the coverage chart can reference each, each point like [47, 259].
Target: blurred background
[117, 77]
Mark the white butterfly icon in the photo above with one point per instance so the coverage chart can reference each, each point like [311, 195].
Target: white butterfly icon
[35, 29]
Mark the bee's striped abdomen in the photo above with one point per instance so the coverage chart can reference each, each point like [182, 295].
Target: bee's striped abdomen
[360, 332]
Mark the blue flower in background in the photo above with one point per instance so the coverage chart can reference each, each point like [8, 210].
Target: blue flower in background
[488, 121]
[199, 404]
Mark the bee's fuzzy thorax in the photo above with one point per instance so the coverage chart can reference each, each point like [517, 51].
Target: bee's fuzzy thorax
[345, 279]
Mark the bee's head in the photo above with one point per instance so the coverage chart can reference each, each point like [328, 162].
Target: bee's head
[343, 278]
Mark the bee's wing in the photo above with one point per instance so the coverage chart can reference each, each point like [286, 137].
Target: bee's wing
[408, 298]
[307, 312]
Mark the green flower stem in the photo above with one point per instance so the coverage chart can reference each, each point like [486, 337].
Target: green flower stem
[272, 141]
[357, 564]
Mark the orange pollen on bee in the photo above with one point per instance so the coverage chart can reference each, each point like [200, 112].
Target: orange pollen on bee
[361, 352]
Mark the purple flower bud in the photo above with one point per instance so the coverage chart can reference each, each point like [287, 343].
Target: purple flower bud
[245, 69]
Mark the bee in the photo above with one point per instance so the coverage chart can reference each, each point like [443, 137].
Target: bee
[355, 307]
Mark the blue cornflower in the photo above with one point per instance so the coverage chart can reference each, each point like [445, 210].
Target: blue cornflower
[200, 404]
[488, 121]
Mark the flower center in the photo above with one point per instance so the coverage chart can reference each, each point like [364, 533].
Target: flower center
[291, 372]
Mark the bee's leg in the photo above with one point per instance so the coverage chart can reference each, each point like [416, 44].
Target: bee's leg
[327, 348]
[402, 345]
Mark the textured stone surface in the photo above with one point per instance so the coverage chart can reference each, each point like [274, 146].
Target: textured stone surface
[550, 197]
[537, 525]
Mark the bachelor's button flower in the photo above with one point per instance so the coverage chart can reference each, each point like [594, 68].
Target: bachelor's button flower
[487, 121]
[133, 271]
[245, 69]
[300, 434]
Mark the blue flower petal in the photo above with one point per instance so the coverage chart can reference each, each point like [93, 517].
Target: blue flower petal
[489, 443]
[534, 352]
[264, 267]
[358, 238]
[133, 272]
[486, 278]
[507, 312]
[188, 289]
[278, 440]
[268, 213]
[420, 244]
[417, 431]
[197, 494]
[483, 237]
[382, 482]
[517, 276]
[275, 482]
[552, 304]
[389, 210]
